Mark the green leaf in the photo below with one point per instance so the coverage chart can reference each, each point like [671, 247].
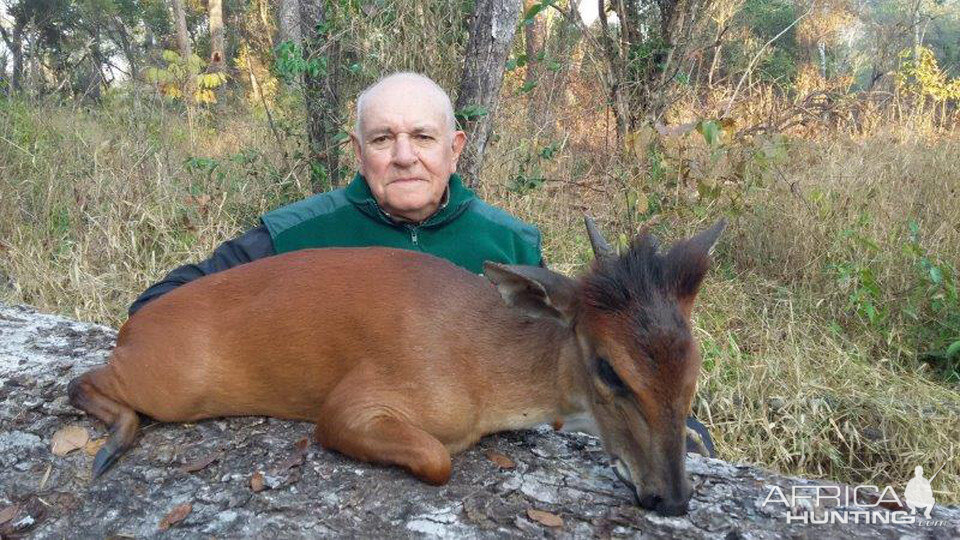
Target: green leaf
[470, 113]
[528, 86]
[152, 75]
[170, 56]
[710, 131]
[533, 12]
[936, 276]
[953, 349]
[914, 228]
[549, 151]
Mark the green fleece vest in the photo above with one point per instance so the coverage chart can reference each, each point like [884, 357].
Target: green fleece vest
[466, 231]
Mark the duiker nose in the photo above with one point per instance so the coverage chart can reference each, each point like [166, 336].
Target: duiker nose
[665, 507]
[673, 508]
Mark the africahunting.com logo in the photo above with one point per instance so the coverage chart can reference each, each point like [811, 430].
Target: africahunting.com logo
[864, 504]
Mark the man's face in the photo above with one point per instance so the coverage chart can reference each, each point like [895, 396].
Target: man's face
[406, 149]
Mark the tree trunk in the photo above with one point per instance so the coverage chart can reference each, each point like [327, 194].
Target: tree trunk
[183, 44]
[822, 54]
[14, 43]
[288, 20]
[322, 97]
[95, 80]
[640, 89]
[491, 34]
[531, 39]
[127, 47]
[215, 8]
[915, 23]
[615, 69]
[559, 42]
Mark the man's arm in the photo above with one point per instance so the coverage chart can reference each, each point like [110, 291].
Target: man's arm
[250, 246]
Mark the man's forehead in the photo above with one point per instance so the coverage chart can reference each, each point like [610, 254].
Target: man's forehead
[407, 102]
[397, 123]
[402, 112]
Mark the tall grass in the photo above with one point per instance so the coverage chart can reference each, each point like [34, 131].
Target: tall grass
[813, 326]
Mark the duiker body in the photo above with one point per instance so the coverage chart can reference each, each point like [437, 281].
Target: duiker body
[403, 358]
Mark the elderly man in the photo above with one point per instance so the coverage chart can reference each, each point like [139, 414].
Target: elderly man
[407, 195]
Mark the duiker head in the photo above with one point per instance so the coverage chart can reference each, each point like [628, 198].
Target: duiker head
[639, 361]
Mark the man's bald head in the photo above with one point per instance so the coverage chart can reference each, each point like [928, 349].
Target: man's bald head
[406, 85]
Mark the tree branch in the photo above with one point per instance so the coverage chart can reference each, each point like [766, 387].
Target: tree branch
[756, 57]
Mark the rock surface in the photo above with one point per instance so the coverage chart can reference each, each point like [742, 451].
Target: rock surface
[258, 477]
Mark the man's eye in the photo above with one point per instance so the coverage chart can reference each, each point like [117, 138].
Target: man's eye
[423, 137]
[609, 376]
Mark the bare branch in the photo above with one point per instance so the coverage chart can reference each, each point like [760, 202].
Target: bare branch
[756, 57]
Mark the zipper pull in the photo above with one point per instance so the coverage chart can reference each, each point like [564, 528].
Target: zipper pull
[414, 237]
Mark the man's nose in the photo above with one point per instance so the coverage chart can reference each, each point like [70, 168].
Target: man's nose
[404, 154]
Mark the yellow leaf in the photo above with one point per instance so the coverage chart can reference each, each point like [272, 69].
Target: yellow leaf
[256, 482]
[642, 204]
[92, 447]
[67, 439]
[500, 460]
[546, 518]
[171, 56]
[175, 516]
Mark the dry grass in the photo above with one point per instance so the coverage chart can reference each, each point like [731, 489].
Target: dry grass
[99, 204]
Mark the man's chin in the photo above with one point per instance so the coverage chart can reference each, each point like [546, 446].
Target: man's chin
[410, 206]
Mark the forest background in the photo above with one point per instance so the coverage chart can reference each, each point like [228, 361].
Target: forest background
[136, 135]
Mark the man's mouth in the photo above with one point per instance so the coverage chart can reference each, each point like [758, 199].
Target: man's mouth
[405, 180]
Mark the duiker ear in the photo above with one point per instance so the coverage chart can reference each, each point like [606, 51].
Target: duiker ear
[535, 290]
[689, 261]
[707, 240]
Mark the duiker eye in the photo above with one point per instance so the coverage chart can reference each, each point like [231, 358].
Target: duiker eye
[609, 376]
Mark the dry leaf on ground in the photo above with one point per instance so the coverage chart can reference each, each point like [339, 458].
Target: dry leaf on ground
[203, 462]
[302, 445]
[9, 513]
[256, 482]
[67, 439]
[546, 518]
[175, 516]
[501, 460]
[94, 446]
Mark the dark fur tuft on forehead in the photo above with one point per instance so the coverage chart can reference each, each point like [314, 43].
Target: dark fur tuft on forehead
[644, 277]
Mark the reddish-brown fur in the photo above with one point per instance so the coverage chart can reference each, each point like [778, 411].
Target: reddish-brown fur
[399, 357]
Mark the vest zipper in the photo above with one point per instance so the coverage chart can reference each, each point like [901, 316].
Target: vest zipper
[414, 236]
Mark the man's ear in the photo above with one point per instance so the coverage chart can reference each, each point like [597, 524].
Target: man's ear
[357, 149]
[458, 142]
[535, 290]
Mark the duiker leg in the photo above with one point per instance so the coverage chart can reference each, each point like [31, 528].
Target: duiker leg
[384, 439]
[365, 420]
[85, 394]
